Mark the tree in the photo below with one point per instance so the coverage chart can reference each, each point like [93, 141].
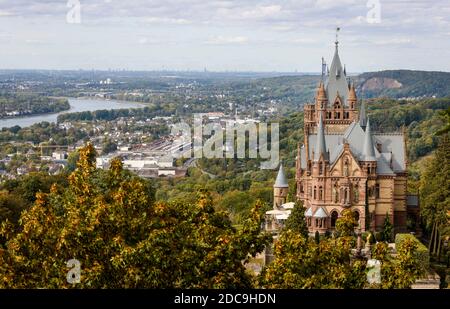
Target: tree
[346, 224]
[11, 207]
[296, 220]
[399, 272]
[317, 237]
[109, 146]
[446, 129]
[387, 229]
[302, 263]
[108, 220]
[435, 193]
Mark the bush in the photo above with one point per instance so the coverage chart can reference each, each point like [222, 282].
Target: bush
[422, 255]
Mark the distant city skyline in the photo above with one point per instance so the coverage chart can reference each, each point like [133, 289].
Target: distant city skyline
[231, 35]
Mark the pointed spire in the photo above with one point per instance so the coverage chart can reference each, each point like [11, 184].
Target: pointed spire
[298, 162]
[337, 79]
[321, 94]
[368, 149]
[281, 181]
[362, 116]
[321, 148]
[352, 93]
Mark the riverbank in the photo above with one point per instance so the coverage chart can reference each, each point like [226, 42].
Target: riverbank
[76, 105]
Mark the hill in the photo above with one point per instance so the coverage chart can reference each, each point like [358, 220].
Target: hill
[404, 84]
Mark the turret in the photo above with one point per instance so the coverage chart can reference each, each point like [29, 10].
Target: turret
[337, 80]
[352, 97]
[320, 149]
[321, 98]
[368, 148]
[280, 189]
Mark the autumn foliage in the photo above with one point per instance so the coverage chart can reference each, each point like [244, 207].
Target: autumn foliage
[123, 239]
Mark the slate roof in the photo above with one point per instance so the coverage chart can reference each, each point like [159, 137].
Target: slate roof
[320, 213]
[321, 148]
[354, 135]
[336, 81]
[281, 181]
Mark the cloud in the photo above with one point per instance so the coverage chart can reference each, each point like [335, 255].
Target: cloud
[262, 11]
[167, 20]
[223, 40]
[393, 41]
[143, 41]
[5, 13]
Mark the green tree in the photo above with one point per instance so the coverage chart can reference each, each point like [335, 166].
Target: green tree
[435, 191]
[446, 129]
[296, 220]
[302, 263]
[387, 229]
[11, 207]
[346, 224]
[398, 272]
[109, 146]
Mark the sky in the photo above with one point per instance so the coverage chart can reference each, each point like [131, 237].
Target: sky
[229, 35]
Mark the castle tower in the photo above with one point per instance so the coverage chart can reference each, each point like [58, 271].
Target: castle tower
[335, 100]
[280, 189]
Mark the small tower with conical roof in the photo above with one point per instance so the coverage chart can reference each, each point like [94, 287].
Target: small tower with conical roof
[321, 98]
[368, 152]
[280, 189]
[352, 99]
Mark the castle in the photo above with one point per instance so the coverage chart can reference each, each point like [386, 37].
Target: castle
[343, 164]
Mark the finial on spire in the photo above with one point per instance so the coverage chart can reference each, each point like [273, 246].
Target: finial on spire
[337, 36]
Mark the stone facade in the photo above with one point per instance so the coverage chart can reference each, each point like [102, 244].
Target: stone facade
[342, 164]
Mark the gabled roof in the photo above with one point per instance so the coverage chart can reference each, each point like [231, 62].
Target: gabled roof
[320, 213]
[281, 181]
[309, 212]
[337, 80]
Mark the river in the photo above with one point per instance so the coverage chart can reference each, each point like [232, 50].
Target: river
[76, 105]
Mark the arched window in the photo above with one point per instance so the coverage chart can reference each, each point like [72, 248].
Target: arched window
[320, 193]
[315, 192]
[320, 168]
[334, 217]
